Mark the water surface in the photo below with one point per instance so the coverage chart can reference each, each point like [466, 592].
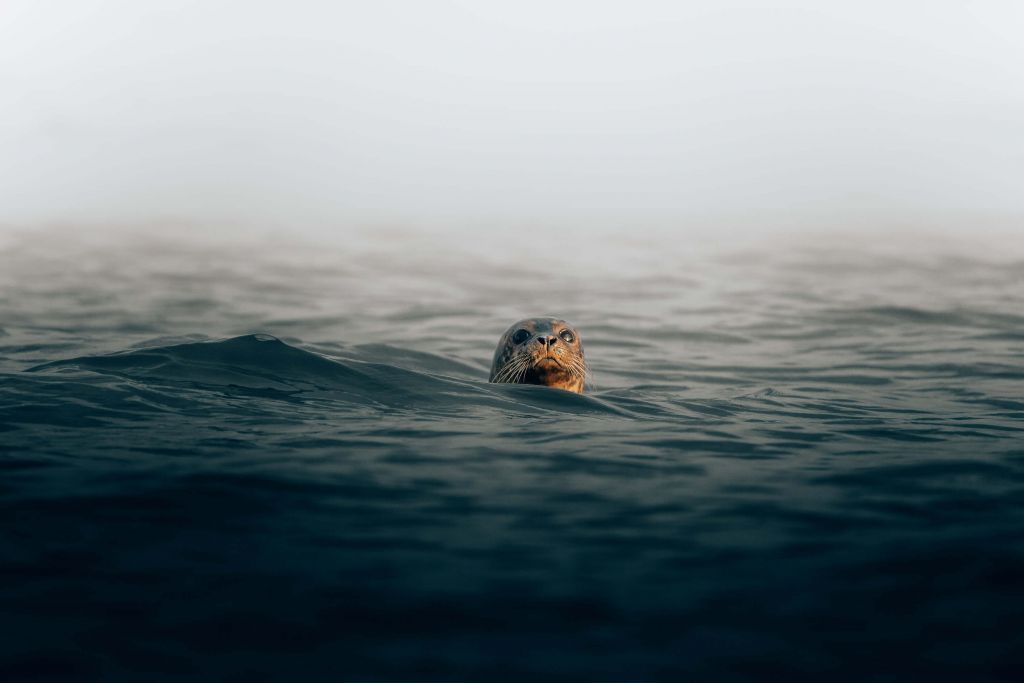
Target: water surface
[279, 461]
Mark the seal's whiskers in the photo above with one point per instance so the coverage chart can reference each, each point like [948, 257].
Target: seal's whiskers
[516, 367]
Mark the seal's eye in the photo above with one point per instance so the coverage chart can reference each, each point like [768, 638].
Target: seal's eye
[567, 336]
[520, 336]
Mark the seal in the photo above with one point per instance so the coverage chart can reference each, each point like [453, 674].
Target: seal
[545, 351]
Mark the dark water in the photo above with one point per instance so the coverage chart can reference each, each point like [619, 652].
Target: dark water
[796, 463]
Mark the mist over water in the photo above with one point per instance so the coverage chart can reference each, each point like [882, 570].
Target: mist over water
[284, 459]
[466, 113]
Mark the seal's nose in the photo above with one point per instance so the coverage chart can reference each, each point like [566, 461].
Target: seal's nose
[547, 340]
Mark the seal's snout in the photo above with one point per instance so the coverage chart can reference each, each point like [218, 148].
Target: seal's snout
[547, 340]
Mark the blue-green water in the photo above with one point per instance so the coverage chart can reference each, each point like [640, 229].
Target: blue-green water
[283, 462]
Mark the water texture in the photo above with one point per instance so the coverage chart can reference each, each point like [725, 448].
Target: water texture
[275, 461]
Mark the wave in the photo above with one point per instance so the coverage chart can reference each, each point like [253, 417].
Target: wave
[263, 364]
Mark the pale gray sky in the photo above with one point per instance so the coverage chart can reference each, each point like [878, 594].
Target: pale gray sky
[487, 113]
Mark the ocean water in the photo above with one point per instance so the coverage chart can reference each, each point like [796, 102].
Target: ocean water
[281, 460]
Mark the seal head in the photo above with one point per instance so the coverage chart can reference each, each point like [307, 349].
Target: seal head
[545, 351]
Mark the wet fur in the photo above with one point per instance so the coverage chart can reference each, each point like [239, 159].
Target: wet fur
[530, 362]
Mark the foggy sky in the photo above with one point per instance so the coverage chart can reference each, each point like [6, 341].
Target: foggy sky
[487, 113]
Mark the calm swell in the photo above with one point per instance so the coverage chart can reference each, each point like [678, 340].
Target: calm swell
[285, 462]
